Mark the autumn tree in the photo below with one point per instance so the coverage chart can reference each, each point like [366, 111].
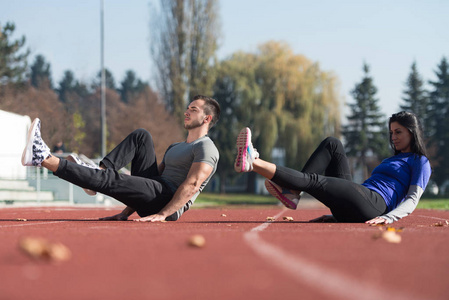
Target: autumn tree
[13, 58]
[183, 47]
[366, 133]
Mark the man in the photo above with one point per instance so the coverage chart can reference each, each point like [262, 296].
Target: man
[155, 192]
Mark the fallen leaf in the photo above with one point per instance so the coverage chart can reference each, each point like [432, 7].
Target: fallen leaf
[391, 237]
[441, 224]
[20, 219]
[197, 240]
[395, 229]
[271, 219]
[288, 219]
[40, 248]
[223, 215]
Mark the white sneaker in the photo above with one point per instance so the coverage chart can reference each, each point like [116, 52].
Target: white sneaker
[36, 151]
[74, 158]
[246, 154]
[288, 197]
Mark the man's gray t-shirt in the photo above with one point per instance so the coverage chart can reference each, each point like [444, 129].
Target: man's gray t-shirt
[179, 157]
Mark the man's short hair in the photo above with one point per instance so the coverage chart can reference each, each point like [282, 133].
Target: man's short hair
[211, 107]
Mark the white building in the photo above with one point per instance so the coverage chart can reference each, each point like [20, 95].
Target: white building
[13, 134]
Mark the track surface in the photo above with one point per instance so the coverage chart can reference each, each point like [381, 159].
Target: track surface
[245, 257]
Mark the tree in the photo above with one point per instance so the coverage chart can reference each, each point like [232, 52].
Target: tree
[13, 60]
[109, 80]
[41, 73]
[130, 87]
[415, 98]
[184, 42]
[439, 125]
[366, 132]
[286, 100]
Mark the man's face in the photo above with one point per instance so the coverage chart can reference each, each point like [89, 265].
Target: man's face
[194, 115]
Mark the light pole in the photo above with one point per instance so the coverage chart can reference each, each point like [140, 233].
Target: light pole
[103, 87]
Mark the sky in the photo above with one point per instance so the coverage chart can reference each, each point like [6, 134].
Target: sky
[339, 35]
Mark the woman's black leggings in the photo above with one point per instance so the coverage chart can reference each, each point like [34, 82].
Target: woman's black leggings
[326, 176]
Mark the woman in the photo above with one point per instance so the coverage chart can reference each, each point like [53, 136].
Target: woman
[391, 193]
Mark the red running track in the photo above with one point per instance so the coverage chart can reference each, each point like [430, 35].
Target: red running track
[245, 257]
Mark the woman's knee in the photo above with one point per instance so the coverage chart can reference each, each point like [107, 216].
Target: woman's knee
[333, 143]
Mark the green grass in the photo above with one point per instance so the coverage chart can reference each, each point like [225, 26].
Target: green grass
[235, 199]
[209, 199]
[442, 204]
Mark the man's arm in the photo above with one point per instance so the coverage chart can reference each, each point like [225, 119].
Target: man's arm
[123, 216]
[161, 168]
[198, 173]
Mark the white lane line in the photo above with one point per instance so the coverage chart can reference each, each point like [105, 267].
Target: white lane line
[435, 218]
[30, 224]
[323, 280]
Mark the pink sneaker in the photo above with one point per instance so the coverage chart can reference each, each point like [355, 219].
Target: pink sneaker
[246, 154]
[288, 197]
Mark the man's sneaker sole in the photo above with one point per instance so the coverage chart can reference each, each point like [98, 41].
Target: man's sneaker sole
[243, 140]
[27, 155]
[75, 159]
[278, 194]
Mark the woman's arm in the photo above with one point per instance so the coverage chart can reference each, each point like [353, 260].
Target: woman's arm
[405, 208]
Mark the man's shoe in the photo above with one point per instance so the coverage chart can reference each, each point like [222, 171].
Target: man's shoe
[288, 197]
[36, 151]
[74, 158]
[246, 154]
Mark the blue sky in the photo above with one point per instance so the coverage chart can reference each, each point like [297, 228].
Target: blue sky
[339, 35]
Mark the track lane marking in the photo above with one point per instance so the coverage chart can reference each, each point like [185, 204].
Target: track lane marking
[30, 224]
[324, 280]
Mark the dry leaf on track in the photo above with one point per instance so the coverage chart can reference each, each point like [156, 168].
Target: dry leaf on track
[271, 219]
[441, 224]
[40, 248]
[390, 236]
[288, 219]
[197, 240]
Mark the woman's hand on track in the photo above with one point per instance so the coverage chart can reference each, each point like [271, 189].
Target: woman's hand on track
[377, 220]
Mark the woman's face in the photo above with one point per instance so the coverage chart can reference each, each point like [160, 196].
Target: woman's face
[401, 137]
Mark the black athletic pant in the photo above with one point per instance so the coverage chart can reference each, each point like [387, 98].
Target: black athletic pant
[143, 191]
[326, 176]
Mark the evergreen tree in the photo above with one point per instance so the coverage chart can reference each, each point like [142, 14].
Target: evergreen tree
[41, 73]
[109, 80]
[66, 85]
[13, 61]
[439, 125]
[366, 132]
[130, 87]
[415, 98]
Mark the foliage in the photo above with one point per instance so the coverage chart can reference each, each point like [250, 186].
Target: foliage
[109, 80]
[415, 98]
[130, 87]
[41, 73]
[183, 46]
[13, 59]
[438, 114]
[366, 133]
